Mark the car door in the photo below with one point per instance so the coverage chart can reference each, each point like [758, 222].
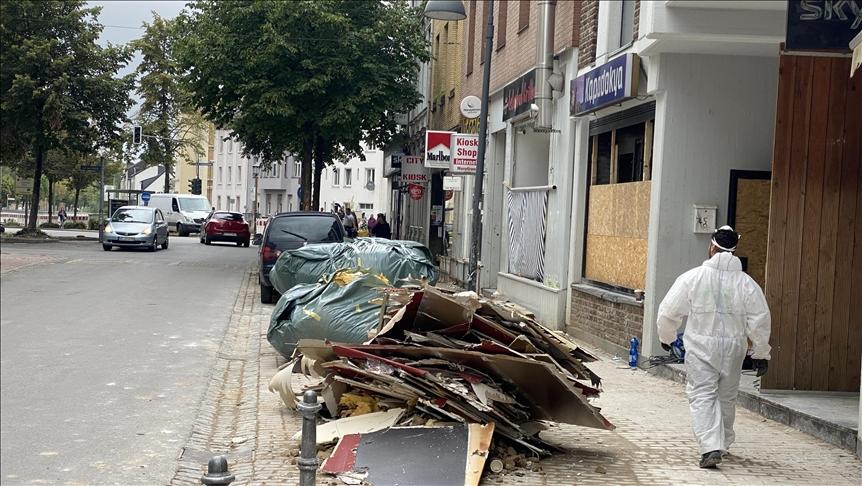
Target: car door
[161, 226]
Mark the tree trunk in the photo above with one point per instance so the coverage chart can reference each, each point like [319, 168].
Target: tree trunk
[50, 200]
[37, 186]
[306, 179]
[167, 178]
[319, 165]
[75, 210]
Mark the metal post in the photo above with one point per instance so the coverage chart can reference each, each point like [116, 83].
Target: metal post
[254, 209]
[217, 472]
[101, 196]
[308, 448]
[476, 248]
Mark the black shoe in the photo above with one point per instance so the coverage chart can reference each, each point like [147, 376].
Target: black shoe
[710, 460]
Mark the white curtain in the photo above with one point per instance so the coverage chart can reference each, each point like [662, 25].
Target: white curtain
[527, 215]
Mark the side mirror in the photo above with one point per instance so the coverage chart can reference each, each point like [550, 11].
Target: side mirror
[257, 239]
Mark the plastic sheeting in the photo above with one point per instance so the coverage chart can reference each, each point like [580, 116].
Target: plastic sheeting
[394, 259]
[338, 309]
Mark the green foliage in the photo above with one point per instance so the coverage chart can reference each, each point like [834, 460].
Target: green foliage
[58, 85]
[74, 225]
[49, 225]
[11, 223]
[93, 223]
[302, 76]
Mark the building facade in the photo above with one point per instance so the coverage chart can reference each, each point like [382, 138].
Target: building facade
[357, 184]
[201, 152]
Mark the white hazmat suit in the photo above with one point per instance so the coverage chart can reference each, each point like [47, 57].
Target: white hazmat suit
[724, 306]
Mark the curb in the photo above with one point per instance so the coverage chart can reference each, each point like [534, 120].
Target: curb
[30, 241]
[835, 434]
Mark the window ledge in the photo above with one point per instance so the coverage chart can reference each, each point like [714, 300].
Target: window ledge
[609, 295]
[529, 282]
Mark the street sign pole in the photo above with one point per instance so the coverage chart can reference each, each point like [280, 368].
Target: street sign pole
[101, 195]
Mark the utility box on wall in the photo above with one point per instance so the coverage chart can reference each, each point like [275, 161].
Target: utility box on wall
[704, 218]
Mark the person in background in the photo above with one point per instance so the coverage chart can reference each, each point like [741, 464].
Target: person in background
[61, 215]
[381, 229]
[371, 223]
[349, 221]
[725, 309]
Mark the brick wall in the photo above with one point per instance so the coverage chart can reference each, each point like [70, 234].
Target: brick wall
[589, 27]
[519, 53]
[446, 73]
[611, 322]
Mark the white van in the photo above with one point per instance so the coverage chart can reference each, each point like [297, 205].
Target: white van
[183, 212]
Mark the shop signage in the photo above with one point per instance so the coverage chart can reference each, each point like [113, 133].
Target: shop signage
[449, 195]
[437, 149]
[452, 183]
[611, 83]
[416, 191]
[519, 95]
[469, 125]
[395, 161]
[465, 150]
[817, 25]
[413, 170]
[471, 107]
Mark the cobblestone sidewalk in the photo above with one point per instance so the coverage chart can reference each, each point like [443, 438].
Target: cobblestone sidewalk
[652, 443]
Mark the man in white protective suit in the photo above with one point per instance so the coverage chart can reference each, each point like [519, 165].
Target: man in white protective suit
[725, 308]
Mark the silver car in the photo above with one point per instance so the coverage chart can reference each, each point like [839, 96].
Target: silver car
[136, 227]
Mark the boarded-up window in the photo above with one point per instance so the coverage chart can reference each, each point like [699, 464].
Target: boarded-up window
[471, 37]
[523, 15]
[486, 6]
[502, 17]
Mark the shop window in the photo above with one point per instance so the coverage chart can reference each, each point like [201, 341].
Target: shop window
[621, 154]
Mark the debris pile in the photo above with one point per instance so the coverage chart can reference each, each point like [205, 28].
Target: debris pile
[452, 361]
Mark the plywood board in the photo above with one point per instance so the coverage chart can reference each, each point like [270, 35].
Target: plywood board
[752, 222]
[616, 260]
[600, 220]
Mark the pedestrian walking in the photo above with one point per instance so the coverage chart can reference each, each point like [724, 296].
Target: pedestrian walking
[349, 221]
[381, 229]
[725, 309]
[371, 223]
[61, 215]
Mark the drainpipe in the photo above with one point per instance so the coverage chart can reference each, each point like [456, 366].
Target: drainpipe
[545, 62]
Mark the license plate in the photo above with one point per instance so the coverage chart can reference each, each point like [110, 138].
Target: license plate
[229, 234]
[126, 238]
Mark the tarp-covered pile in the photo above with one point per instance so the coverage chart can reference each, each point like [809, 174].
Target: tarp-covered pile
[394, 259]
[443, 358]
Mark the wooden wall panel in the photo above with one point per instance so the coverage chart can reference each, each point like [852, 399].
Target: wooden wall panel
[752, 222]
[814, 256]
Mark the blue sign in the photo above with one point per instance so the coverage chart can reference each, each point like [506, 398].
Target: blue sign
[611, 83]
[817, 25]
[396, 161]
[145, 196]
[299, 192]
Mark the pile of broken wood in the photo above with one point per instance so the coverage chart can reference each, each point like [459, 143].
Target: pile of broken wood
[441, 375]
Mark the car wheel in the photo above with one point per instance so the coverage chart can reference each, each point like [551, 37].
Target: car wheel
[165, 244]
[266, 294]
[181, 231]
[106, 247]
[207, 240]
[245, 243]
[238, 243]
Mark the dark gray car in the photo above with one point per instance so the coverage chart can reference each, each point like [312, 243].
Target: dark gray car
[136, 227]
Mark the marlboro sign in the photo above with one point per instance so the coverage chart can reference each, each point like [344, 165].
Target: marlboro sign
[438, 154]
[465, 152]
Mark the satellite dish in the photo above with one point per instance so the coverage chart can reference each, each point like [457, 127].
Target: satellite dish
[369, 185]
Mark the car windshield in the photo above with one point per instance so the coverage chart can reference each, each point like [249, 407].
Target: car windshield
[194, 204]
[306, 229]
[228, 217]
[133, 216]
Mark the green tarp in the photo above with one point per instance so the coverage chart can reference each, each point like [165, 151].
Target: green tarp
[338, 308]
[394, 259]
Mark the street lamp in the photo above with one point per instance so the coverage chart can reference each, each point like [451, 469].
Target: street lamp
[454, 10]
[255, 171]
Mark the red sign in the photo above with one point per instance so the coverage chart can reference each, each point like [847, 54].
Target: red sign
[450, 195]
[438, 153]
[416, 191]
[412, 170]
[465, 149]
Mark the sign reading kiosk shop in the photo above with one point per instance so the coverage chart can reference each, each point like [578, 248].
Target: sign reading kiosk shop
[609, 84]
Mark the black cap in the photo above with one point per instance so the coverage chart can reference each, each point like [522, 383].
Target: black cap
[725, 238]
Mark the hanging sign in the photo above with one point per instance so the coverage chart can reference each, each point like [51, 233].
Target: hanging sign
[611, 83]
[465, 148]
[413, 171]
[519, 95]
[452, 183]
[395, 161]
[818, 25]
[471, 107]
[449, 195]
[437, 149]
[416, 191]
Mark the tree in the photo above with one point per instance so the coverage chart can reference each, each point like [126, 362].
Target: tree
[59, 87]
[170, 127]
[81, 179]
[313, 77]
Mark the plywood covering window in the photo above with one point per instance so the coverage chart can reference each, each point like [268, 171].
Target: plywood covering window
[618, 206]
[486, 10]
[523, 15]
[502, 16]
[471, 37]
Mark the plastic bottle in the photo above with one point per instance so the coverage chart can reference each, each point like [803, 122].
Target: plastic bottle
[679, 346]
[633, 352]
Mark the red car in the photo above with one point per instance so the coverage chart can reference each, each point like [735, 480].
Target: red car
[225, 226]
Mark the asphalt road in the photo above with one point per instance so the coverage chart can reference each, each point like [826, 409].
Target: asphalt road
[105, 356]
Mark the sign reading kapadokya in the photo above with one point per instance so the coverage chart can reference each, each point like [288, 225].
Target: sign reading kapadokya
[438, 154]
[465, 153]
[611, 83]
[413, 171]
[519, 95]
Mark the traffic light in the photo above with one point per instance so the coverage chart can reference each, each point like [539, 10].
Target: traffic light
[137, 134]
[192, 186]
[195, 186]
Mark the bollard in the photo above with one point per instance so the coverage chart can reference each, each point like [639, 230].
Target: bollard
[308, 447]
[217, 472]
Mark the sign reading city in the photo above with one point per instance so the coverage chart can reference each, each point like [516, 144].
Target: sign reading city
[413, 171]
[611, 83]
[438, 154]
[519, 95]
[818, 25]
[465, 152]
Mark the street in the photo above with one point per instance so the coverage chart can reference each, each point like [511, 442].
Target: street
[106, 355]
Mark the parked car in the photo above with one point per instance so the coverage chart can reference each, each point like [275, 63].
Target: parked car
[288, 231]
[225, 226]
[136, 227]
[184, 212]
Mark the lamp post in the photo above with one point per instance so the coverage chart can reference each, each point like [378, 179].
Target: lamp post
[454, 10]
[255, 171]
